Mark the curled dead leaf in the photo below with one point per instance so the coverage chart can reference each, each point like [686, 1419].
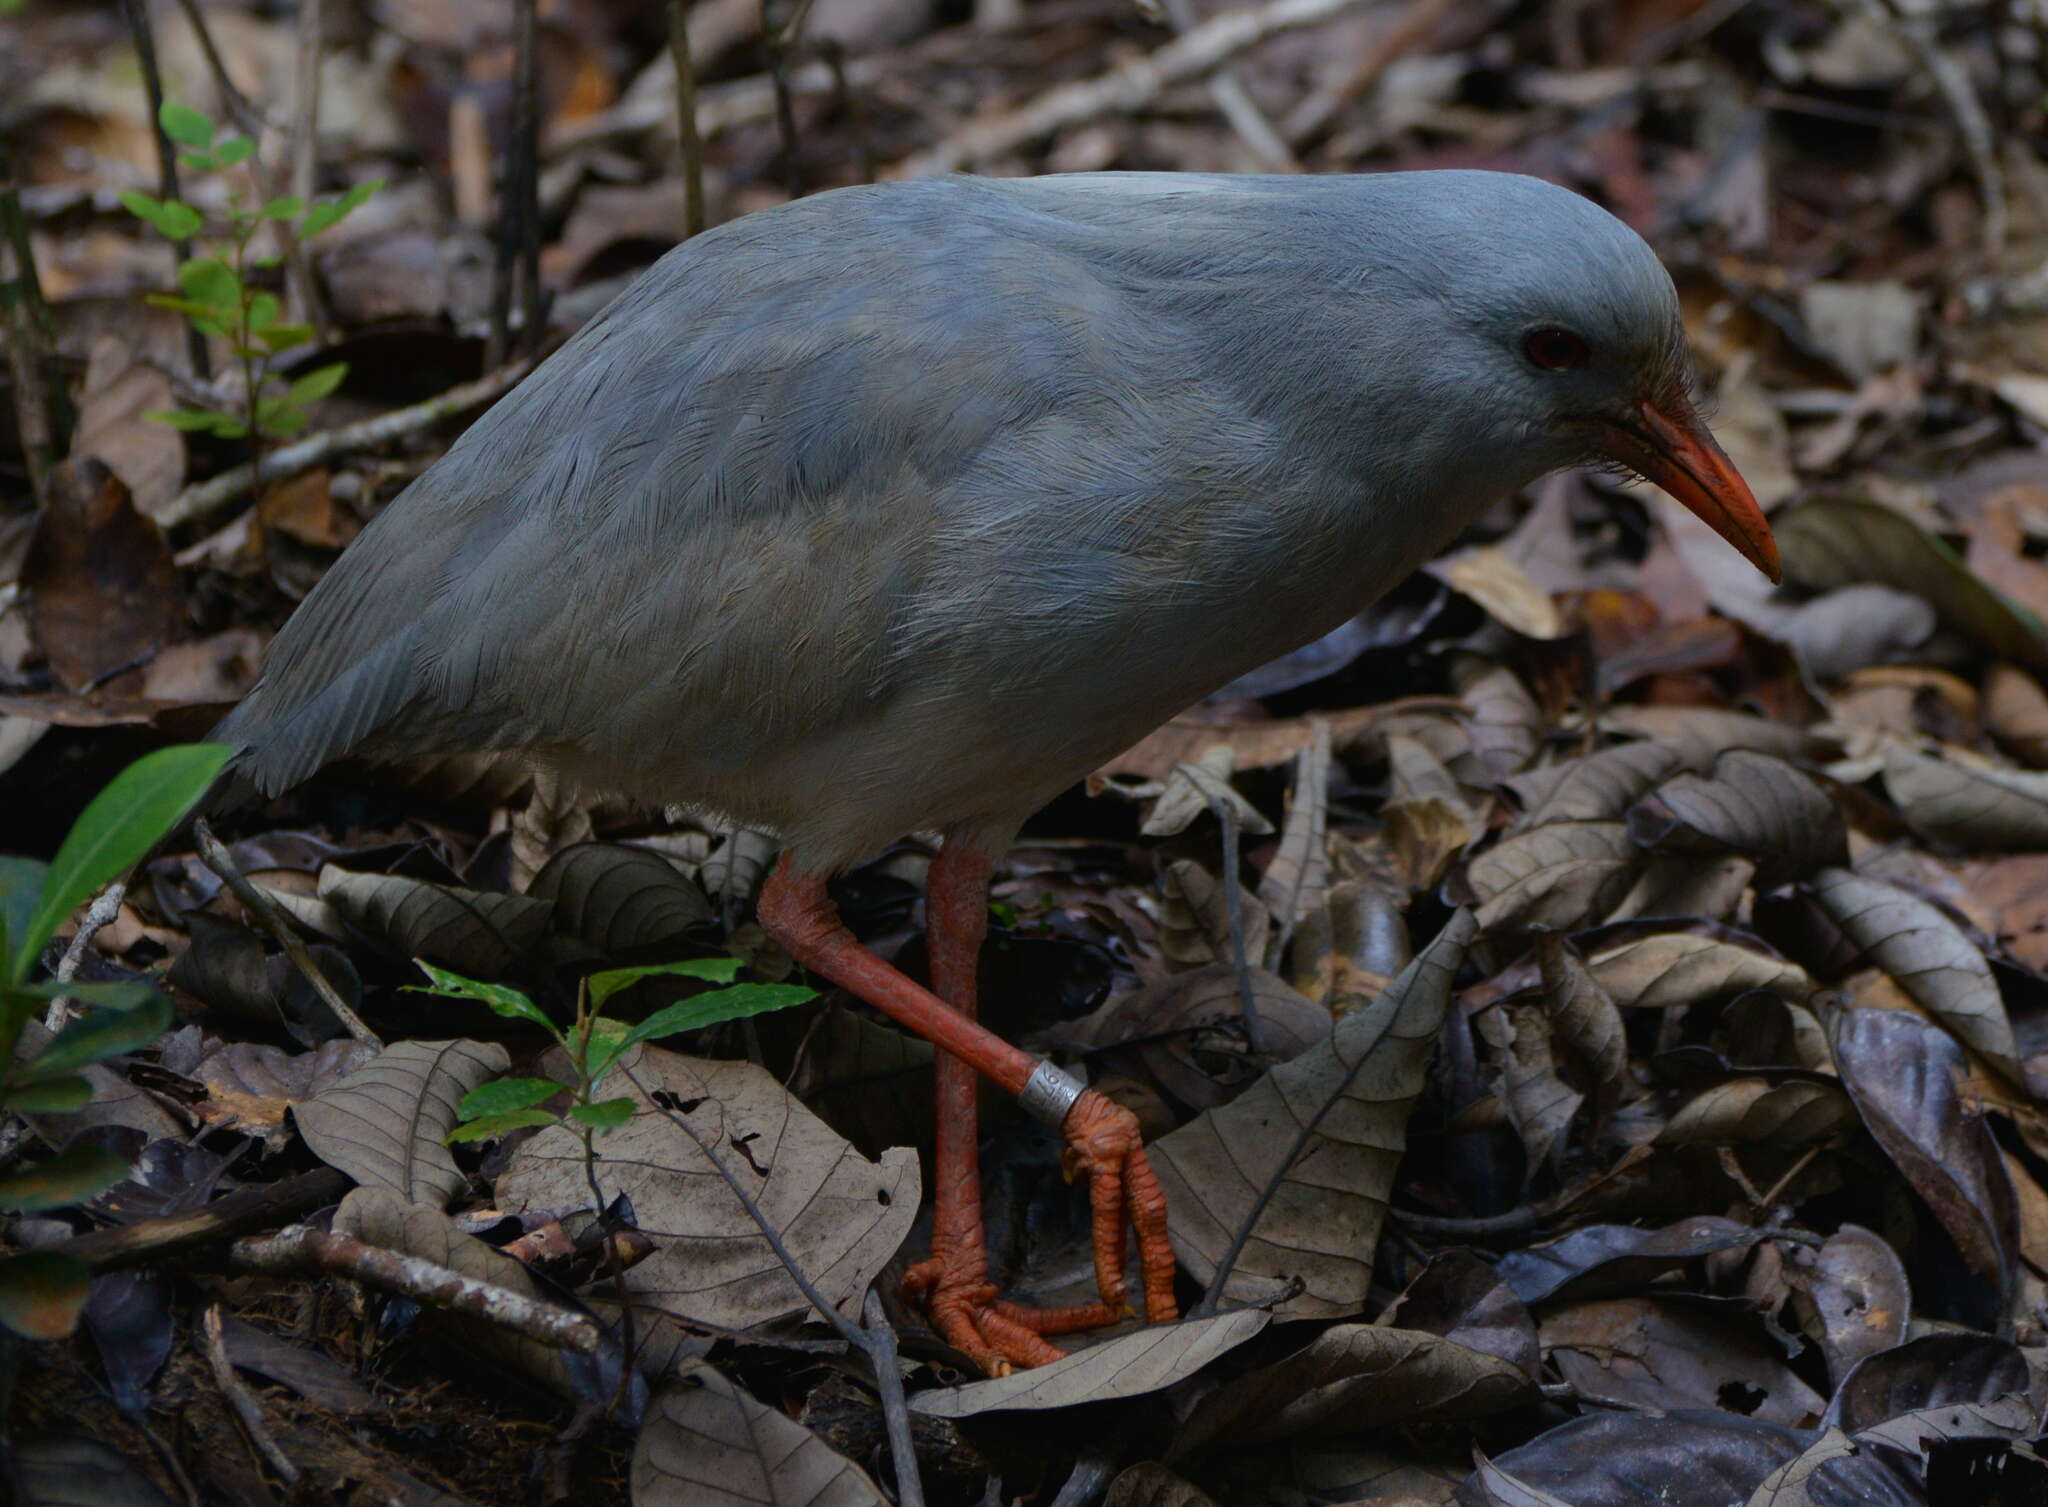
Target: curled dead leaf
[707, 1443]
[1969, 806]
[1752, 804]
[1555, 877]
[383, 1124]
[1749, 1110]
[1668, 969]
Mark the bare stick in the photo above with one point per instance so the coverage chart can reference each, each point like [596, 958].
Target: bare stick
[274, 920]
[42, 401]
[301, 1250]
[895, 1412]
[1125, 89]
[169, 1236]
[518, 211]
[834, 54]
[780, 38]
[102, 910]
[1233, 907]
[686, 118]
[305, 158]
[248, 1412]
[290, 460]
[137, 12]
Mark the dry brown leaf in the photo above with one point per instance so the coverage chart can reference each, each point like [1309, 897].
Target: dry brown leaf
[1660, 1353]
[1253, 745]
[1194, 918]
[477, 934]
[249, 1086]
[1428, 821]
[1586, 1018]
[1189, 1034]
[148, 456]
[1490, 577]
[1669, 969]
[2016, 891]
[1856, 1290]
[839, 1215]
[1506, 724]
[1556, 876]
[1596, 787]
[1747, 1110]
[383, 1124]
[1702, 734]
[1294, 881]
[707, 1443]
[103, 593]
[1355, 1377]
[1692, 889]
[1790, 1484]
[382, 1217]
[1155, 1485]
[1966, 805]
[1540, 1105]
[1145, 1360]
[1752, 804]
[1309, 1151]
[1192, 790]
[2016, 712]
[1929, 957]
[614, 898]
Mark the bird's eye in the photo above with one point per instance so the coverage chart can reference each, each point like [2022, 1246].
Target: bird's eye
[1555, 350]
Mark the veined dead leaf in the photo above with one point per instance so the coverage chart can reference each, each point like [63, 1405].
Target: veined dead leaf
[1968, 806]
[1540, 1105]
[1145, 1360]
[707, 1443]
[1188, 1032]
[1309, 1151]
[383, 1123]
[1354, 1377]
[841, 1216]
[1586, 1017]
[1428, 820]
[1747, 1110]
[1194, 918]
[1669, 969]
[1752, 804]
[2016, 712]
[1556, 876]
[1193, 788]
[1695, 889]
[1703, 733]
[1929, 957]
[477, 934]
[1299, 872]
[614, 898]
[1595, 787]
[1505, 722]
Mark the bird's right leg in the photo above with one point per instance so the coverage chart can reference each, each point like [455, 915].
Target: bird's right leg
[1102, 1137]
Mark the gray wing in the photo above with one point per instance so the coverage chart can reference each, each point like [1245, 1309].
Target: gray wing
[709, 518]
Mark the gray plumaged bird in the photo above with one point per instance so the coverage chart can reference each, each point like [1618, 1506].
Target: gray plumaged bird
[904, 507]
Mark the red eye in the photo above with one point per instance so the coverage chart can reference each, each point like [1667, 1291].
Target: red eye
[1555, 350]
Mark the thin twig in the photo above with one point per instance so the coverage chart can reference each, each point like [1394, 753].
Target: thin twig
[518, 201]
[302, 175]
[301, 1250]
[834, 54]
[105, 906]
[780, 39]
[686, 118]
[271, 914]
[42, 400]
[291, 460]
[175, 1236]
[137, 12]
[895, 1411]
[1239, 110]
[1233, 905]
[248, 1412]
[1124, 89]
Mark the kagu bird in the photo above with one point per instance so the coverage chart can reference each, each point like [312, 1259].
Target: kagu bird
[906, 506]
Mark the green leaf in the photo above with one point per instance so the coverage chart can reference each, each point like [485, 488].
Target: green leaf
[60, 1096]
[502, 998]
[120, 824]
[199, 162]
[497, 1125]
[131, 995]
[286, 422]
[67, 1178]
[505, 1095]
[703, 1010]
[606, 1114]
[283, 337]
[185, 125]
[191, 420]
[94, 1038]
[236, 149]
[21, 881]
[606, 1039]
[212, 282]
[317, 384]
[263, 311]
[320, 217]
[284, 207]
[604, 985]
[173, 220]
[360, 195]
[227, 426]
[42, 1294]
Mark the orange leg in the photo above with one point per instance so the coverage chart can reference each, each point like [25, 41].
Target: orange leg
[1102, 1138]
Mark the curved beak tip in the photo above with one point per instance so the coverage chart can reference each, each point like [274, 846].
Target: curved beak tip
[1674, 449]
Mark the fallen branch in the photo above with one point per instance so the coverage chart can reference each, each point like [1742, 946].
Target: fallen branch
[291, 460]
[246, 1209]
[247, 1410]
[1124, 89]
[302, 1250]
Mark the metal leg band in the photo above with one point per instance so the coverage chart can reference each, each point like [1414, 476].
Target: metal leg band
[1049, 1093]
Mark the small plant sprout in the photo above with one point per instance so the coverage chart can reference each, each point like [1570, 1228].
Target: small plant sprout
[215, 293]
[594, 1042]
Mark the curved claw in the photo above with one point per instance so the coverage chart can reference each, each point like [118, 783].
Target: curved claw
[1104, 1145]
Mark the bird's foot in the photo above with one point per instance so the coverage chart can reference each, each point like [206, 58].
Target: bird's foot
[1103, 1146]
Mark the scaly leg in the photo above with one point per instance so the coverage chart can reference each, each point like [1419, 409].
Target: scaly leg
[1102, 1138]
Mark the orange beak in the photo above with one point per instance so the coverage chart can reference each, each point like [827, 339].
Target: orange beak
[1672, 448]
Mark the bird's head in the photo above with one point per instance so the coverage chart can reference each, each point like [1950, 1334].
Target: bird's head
[1567, 328]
